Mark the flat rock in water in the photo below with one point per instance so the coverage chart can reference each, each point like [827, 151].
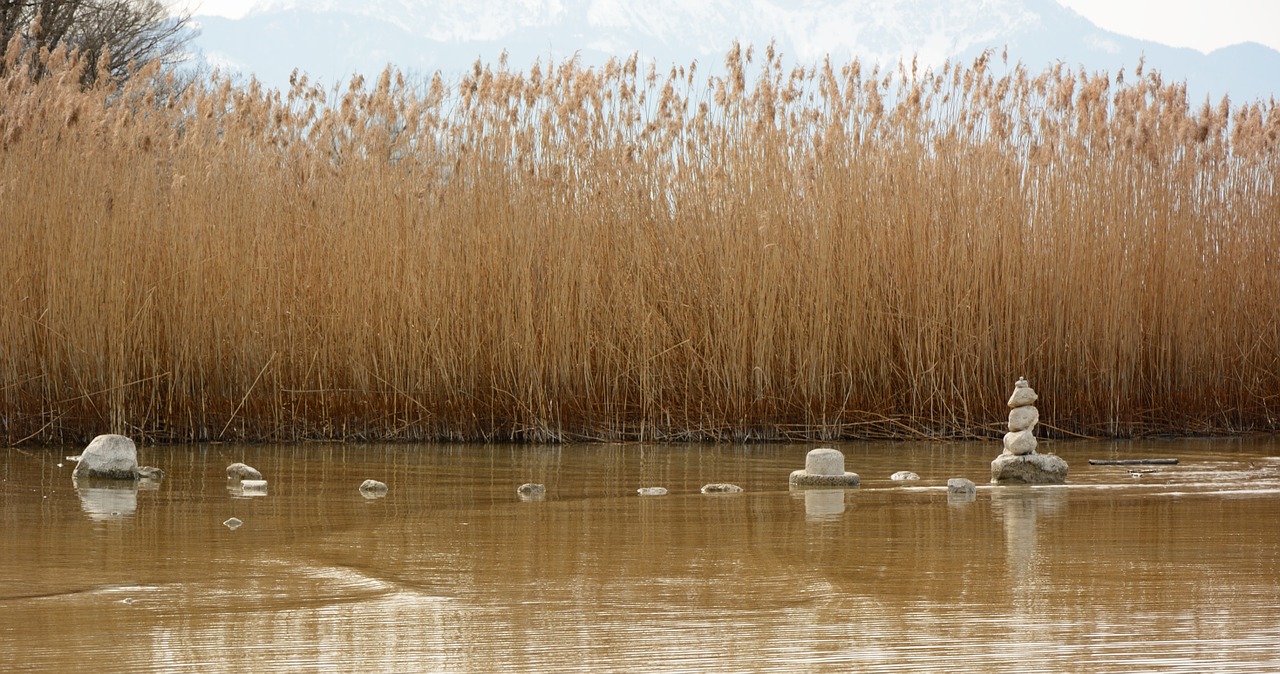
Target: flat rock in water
[109, 456]
[721, 488]
[652, 491]
[1029, 469]
[802, 478]
[904, 475]
[961, 490]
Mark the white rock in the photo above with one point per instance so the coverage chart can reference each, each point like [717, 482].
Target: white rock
[1022, 396]
[233, 523]
[824, 467]
[239, 471]
[530, 491]
[1023, 418]
[109, 456]
[904, 475]
[824, 461]
[373, 489]
[652, 491]
[1029, 469]
[1019, 443]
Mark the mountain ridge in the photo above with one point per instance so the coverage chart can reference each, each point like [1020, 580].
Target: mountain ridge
[334, 39]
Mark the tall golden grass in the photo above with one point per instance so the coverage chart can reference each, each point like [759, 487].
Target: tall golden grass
[561, 253]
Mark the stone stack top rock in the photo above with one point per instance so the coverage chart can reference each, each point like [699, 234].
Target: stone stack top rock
[1023, 394]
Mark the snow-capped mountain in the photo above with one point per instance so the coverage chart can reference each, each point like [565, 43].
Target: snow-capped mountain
[333, 39]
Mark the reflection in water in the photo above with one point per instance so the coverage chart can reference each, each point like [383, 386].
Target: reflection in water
[1021, 508]
[821, 504]
[451, 572]
[103, 499]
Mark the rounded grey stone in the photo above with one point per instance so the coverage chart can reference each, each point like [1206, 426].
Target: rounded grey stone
[108, 456]
[721, 488]
[904, 475]
[239, 471]
[652, 491]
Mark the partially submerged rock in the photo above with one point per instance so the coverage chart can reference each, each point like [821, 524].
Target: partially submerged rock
[531, 491]
[904, 475]
[721, 488]
[148, 473]
[961, 486]
[239, 471]
[233, 523]
[652, 491]
[1029, 469]
[373, 489]
[823, 467]
[110, 456]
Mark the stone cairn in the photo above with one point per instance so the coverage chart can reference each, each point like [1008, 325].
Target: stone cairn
[1020, 462]
[824, 467]
[1023, 417]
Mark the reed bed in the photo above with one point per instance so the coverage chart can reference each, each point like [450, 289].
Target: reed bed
[619, 253]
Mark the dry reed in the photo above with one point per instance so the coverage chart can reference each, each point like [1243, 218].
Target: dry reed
[620, 253]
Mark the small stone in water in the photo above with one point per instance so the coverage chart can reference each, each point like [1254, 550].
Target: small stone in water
[233, 523]
[904, 475]
[239, 471]
[721, 488]
[530, 490]
[652, 491]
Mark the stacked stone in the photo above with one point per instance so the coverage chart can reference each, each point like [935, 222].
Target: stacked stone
[1023, 417]
[1019, 462]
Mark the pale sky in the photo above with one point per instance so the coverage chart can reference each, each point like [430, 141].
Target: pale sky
[1200, 24]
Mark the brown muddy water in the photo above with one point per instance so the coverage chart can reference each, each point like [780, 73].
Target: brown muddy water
[1172, 570]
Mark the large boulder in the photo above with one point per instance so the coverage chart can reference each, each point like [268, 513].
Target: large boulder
[1029, 469]
[109, 456]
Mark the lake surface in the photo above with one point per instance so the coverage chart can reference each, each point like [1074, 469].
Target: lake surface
[1172, 570]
